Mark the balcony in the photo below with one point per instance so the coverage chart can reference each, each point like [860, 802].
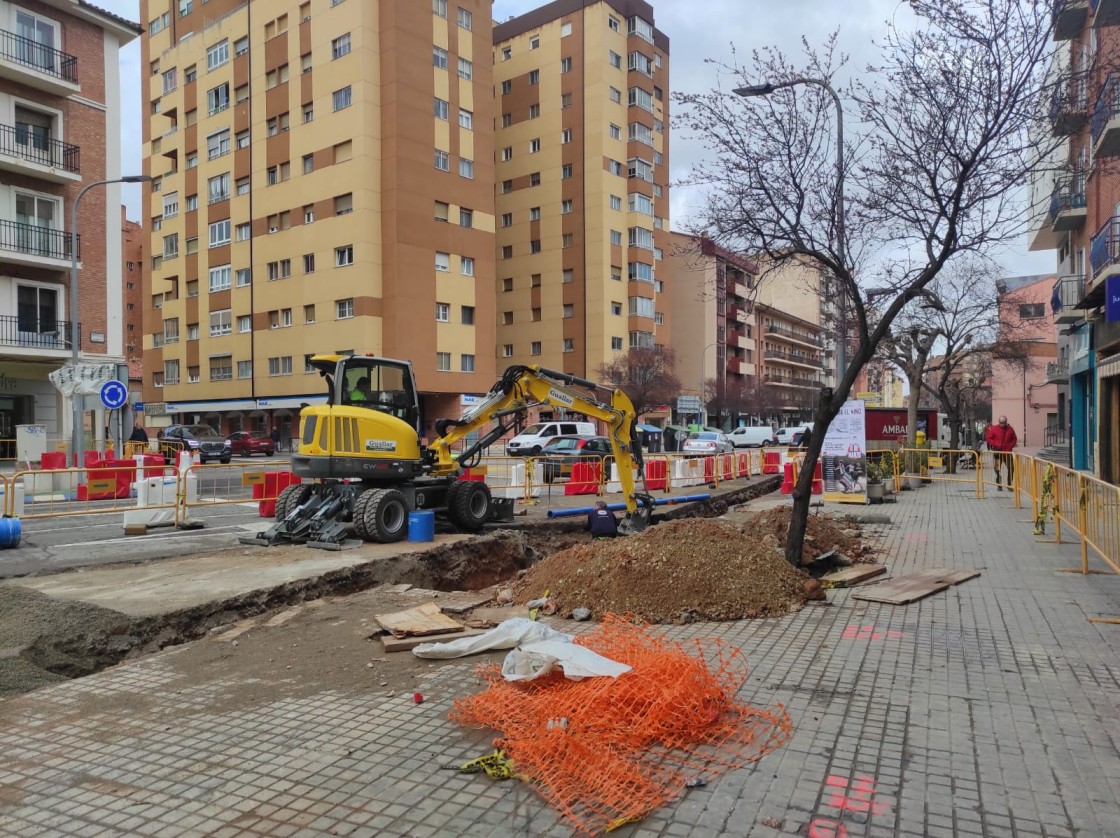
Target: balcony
[1066, 296]
[37, 65]
[1104, 13]
[785, 380]
[1104, 253]
[792, 359]
[28, 150]
[35, 247]
[1106, 119]
[1069, 18]
[788, 333]
[1057, 372]
[1067, 205]
[1069, 105]
[35, 335]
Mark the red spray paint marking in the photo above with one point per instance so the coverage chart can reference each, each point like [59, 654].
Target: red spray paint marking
[869, 633]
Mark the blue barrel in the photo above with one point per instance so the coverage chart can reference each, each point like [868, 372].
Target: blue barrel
[422, 525]
[10, 532]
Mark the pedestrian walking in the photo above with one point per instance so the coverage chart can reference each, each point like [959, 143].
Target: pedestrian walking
[1001, 441]
[138, 434]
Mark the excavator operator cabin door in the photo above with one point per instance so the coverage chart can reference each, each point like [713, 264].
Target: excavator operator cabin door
[382, 384]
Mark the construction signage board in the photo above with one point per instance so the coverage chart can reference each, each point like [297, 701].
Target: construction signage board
[844, 455]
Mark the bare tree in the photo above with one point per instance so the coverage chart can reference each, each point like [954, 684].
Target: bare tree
[936, 165]
[645, 375]
[908, 347]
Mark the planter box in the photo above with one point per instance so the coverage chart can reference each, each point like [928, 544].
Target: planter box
[914, 481]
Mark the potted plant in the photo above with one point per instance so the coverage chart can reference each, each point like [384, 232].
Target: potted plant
[875, 487]
[912, 466]
[886, 466]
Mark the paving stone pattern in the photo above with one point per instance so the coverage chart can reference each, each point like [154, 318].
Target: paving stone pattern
[986, 710]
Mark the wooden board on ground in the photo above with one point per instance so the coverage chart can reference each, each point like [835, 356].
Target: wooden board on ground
[848, 577]
[904, 589]
[419, 621]
[461, 604]
[493, 616]
[407, 644]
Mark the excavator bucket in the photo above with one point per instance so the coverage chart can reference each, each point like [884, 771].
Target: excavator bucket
[639, 519]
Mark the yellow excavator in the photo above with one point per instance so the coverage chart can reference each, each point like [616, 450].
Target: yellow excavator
[365, 467]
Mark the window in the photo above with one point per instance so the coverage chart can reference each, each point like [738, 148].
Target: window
[466, 363]
[217, 55]
[640, 168]
[220, 323]
[221, 367]
[641, 237]
[464, 18]
[309, 313]
[507, 153]
[272, 174]
[507, 53]
[341, 98]
[443, 312]
[192, 160]
[534, 76]
[616, 309]
[219, 278]
[641, 133]
[534, 178]
[240, 46]
[280, 366]
[217, 98]
[616, 132]
[1031, 311]
[535, 42]
[616, 237]
[344, 204]
[614, 167]
[640, 272]
[466, 69]
[308, 163]
[643, 340]
[535, 281]
[568, 276]
[308, 113]
[566, 136]
[244, 277]
[443, 261]
[242, 139]
[535, 348]
[439, 7]
[466, 118]
[565, 100]
[443, 160]
[616, 95]
[641, 307]
[441, 210]
[241, 94]
[507, 318]
[534, 213]
[507, 251]
[439, 57]
[616, 202]
[507, 120]
[569, 345]
[305, 63]
[343, 151]
[171, 372]
[244, 232]
[340, 46]
[217, 144]
[565, 65]
[507, 350]
[192, 331]
[616, 60]
[566, 171]
[156, 26]
[616, 344]
[244, 324]
[344, 309]
[244, 369]
[507, 219]
[613, 23]
[344, 256]
[507, 187]
[281, 269]
[308, 214]
[535, 246]
[219, 233]
[507, 86]
[565, 29]
[466, 168]
[309, 263]
[217, 188]
[569, 310]
[566, 206]
[439, 109]
[467, 315]
[170, 204]
[466, 265]
[443, 362]
[169, 82]
[192, 203]
[507, 283]
[568, 240]
[641, 98]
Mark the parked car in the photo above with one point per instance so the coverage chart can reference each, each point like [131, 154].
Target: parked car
[209, 444]
[784, 436]
[707, 442]
[558, 455]
[245, 444]
[530, 441]
[752, 437]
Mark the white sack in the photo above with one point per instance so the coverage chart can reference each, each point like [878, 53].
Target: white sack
[535, 660]
[505, 635]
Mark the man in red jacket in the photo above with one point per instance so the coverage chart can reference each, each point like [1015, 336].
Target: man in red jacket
[1002, 440]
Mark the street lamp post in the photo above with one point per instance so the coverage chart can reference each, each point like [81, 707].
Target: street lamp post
[841, 240]
[77, 436]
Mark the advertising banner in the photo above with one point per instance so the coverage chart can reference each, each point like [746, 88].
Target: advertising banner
[844, 455]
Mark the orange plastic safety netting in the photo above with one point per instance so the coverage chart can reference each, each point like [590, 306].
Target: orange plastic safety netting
[605, 751]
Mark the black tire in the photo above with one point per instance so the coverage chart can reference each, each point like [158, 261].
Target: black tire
[533, 452]
[360, 507]
[225, 460]
[468, 505]
[245, 453]
[287, 501]
[386, 516]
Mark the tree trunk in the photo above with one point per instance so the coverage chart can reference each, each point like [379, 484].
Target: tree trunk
[912, 409]
[803, 488]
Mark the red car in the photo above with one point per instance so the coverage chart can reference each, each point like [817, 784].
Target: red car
[245, 444]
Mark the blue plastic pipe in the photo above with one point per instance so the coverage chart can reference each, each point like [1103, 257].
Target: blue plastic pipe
[617, 507]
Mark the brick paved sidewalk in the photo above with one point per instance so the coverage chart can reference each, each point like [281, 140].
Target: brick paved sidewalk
[989, 709]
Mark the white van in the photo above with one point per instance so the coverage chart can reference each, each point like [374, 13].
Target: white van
[530, 441]
[752, 437]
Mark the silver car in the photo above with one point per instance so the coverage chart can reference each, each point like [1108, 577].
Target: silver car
[707, 442]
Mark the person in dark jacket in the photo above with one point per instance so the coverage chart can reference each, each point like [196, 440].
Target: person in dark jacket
[601, 521]
[138, 434]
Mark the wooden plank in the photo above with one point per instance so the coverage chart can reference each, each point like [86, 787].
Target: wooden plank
[422, 620]
[461, 605]
[407, 644]
[846, 577]
[493, 616]
[906, 589]
[1112, 621]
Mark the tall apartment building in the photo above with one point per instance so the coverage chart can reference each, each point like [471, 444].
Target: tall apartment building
[583, 183]
[323, 183]
[1076, 212]
[59, 130]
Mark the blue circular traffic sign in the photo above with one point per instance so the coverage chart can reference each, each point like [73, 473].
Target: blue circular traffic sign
[113, 394]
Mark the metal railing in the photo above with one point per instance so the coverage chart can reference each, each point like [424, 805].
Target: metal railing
[33, 143]
[1107, 105]
[794, 380]
[1057, 370]
[18, 237]
[779, 329]
[1067, 293]
[792, 358]
[38, 56]
[36, 334]
[1104, 247]
[1054, 435]
[1068, 194]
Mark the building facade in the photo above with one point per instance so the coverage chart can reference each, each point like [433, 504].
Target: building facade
[59, 131]
[582, 178]
[322, 183]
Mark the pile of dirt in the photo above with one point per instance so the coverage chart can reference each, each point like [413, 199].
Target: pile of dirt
[823, 534]
[679, 571]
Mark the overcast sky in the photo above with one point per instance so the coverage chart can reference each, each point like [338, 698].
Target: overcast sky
[693, 38]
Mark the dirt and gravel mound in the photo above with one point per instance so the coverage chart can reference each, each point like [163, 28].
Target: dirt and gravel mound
[678, 571]
[822, 535]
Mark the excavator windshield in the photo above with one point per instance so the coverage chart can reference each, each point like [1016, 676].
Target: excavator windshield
[380, 384]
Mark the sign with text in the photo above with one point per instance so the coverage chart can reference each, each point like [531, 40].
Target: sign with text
[1112, 299]
[887, 424]
[844, 455]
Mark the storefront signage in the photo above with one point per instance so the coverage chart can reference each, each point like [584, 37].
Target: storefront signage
[96, 337]
[1112, 299]
[8, 383]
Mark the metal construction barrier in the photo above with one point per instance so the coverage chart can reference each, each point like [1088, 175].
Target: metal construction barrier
[234, 484]
[78, 491]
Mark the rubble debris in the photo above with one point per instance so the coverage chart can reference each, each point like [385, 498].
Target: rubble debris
[823, 535]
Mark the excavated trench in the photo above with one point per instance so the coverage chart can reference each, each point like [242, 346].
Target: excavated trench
[72, 640]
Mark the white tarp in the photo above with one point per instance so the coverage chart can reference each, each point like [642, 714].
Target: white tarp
[85, 379]
[505, 635]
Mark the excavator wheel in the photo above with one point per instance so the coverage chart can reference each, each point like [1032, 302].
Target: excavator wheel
[385, 516]
[364, 499]
[288, 500]
[468, 504]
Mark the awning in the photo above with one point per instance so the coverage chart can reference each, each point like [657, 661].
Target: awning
[207, 407]
[649, 429]
[291, 402]
[1109, 367]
